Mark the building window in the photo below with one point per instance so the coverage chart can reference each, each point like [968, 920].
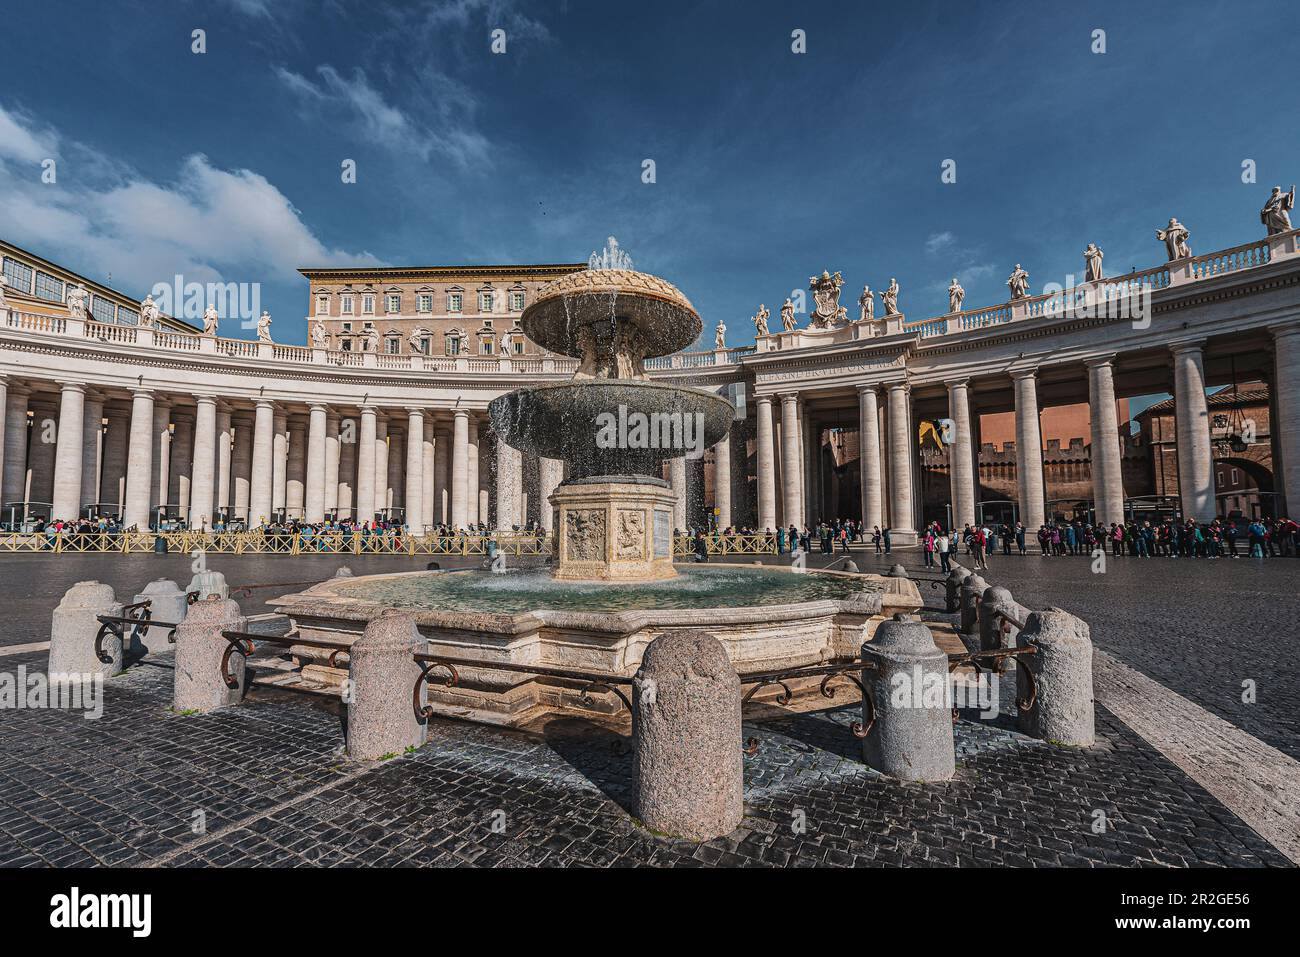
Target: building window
[103, 310]
[392, 345]
[452, 345]
[1235, 477]
[486, 347]
[47, 287]
[516, 302]
[127, 317]
[18, 275]
[426, 345]
[485, 301]
[346, 345]
[368, 305]
[424, 302]
[519, 348]
[453, 302]
[345, 305]
[346, 326]
[394, 302]
[322, 305]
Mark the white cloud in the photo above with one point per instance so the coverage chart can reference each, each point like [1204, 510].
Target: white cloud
[208, 224]
[938, 242]
[18, 141]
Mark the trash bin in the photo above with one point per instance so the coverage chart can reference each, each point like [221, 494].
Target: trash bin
[159, 545]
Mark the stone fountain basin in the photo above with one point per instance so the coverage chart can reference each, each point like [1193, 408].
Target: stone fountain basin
[564, 420]
[611, 643]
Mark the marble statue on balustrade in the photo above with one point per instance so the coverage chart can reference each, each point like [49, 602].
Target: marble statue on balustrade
[264, 327]
[760, 320]
[720, 336]
[210, 320]
[1175, 237]
[4, 303]
[1275, 215]
[320, 337]
[507, 343]
[1018, 283]
[149, 314]
[787, 315]
[889, 298]
[78, 299]
[1092, 257]
[827, 311]
[956, 296]
[866, 305]
[372, 339]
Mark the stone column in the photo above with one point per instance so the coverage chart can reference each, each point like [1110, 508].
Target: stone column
[686, 732]
[766, 457]
[722, 481]
[460, 469]
[67, 455]
[117, 443]
[473, 513]
[869, 458]
[382, 719]
[295, 487]
[414, 501]
[92, 433]
[261, 490]
[366, 443]
[1192, 429]
[332, 458]
[1063, 710]
[810, 464]
[225, 441]
[1107, 478]
[960, 462]
[428, 450]
[13, 484]
[441, 475]
[902, 517]
[205, 462]
[510, 469]
[550, 473]
[790, 470]
[677, 478]
[279, 463]
[349, 427]
[161, 442]
[396, 465]
[241, 469]
[314, 495]
[1286, 424]
[381, 464]
[140, 472]
[182, 475]
[1029, 452]
[41, 454]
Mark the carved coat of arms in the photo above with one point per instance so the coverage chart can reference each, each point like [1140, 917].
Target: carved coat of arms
[827, 310]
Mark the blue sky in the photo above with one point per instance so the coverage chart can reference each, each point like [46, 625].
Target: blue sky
[770, 165]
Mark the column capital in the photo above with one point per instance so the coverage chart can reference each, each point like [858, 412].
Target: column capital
[788, 397]
[957, 383]
[1290, 327]
[264, 404]
[148, 394]
[460, 413]
[205, 400]
[1190, 345]
[872, 387]
[1099, 361]
[897, 385]
[763, 398]
[1021, 374]
[18, 388]
[72, 387]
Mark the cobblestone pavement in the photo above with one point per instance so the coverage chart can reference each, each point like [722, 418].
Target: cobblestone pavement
[270, 783]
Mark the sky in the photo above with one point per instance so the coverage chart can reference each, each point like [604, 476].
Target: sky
[769, 165]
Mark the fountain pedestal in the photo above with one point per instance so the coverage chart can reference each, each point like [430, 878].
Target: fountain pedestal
[615, 530]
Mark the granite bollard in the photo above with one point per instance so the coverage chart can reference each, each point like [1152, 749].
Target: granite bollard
[167, 603]
[952, 587]
[1063, 710]
[911, 738]
[74, 627]
[689, 768]
[381, 715]
[208, 583]
[199, 685]
[997, 601]
[972, 591]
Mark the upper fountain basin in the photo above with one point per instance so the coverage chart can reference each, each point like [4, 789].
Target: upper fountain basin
[667, 320]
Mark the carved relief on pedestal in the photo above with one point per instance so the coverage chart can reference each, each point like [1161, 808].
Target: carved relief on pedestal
[584, 535]
[629, 541]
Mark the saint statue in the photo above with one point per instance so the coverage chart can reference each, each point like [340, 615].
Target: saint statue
[264, 327]
[1274, 215]
[77, 298]
[890, 298]
[372, 339]
[4, 303]
[956, 294]
[507, 343]
[210, 320]
[720, 336]
[760, 320]
[1092, 257]
[320, 338]
[1018, 283]
[148, 313]
[787, 315]
[1175, 236]
[866, 305]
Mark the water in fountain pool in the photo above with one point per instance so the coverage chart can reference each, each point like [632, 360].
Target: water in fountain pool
[530, 589]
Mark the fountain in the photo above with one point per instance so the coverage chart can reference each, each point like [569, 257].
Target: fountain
[612, 587]
[613, 516]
